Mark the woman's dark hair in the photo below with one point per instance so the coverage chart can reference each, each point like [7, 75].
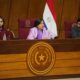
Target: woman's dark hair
[3, 21]
[78, 20]
[37, 22]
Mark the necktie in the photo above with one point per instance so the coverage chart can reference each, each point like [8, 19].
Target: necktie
[4, 37]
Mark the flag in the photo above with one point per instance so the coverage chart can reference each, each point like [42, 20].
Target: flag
[49, 17]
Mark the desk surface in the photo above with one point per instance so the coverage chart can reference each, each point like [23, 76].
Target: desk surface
[19, 46]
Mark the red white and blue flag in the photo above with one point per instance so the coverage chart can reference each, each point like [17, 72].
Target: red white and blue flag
[49, 17]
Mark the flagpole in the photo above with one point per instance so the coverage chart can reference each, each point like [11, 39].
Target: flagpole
[61, 19]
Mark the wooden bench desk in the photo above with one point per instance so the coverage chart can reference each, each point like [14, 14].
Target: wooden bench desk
[13, 58]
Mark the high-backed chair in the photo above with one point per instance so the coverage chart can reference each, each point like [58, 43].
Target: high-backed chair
[67, 28]
[24, 27]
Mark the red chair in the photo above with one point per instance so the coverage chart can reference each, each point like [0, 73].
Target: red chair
[67, 28]
[24, 27]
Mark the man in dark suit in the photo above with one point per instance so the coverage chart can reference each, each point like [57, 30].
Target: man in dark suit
[76, 29]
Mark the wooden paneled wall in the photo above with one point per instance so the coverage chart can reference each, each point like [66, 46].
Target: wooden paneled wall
[12, 10]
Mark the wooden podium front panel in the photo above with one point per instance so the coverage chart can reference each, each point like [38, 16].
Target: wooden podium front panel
[13, 64]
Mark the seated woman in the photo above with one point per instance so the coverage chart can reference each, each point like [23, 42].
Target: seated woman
[76, 29]
[39, 31]
[5, 34]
